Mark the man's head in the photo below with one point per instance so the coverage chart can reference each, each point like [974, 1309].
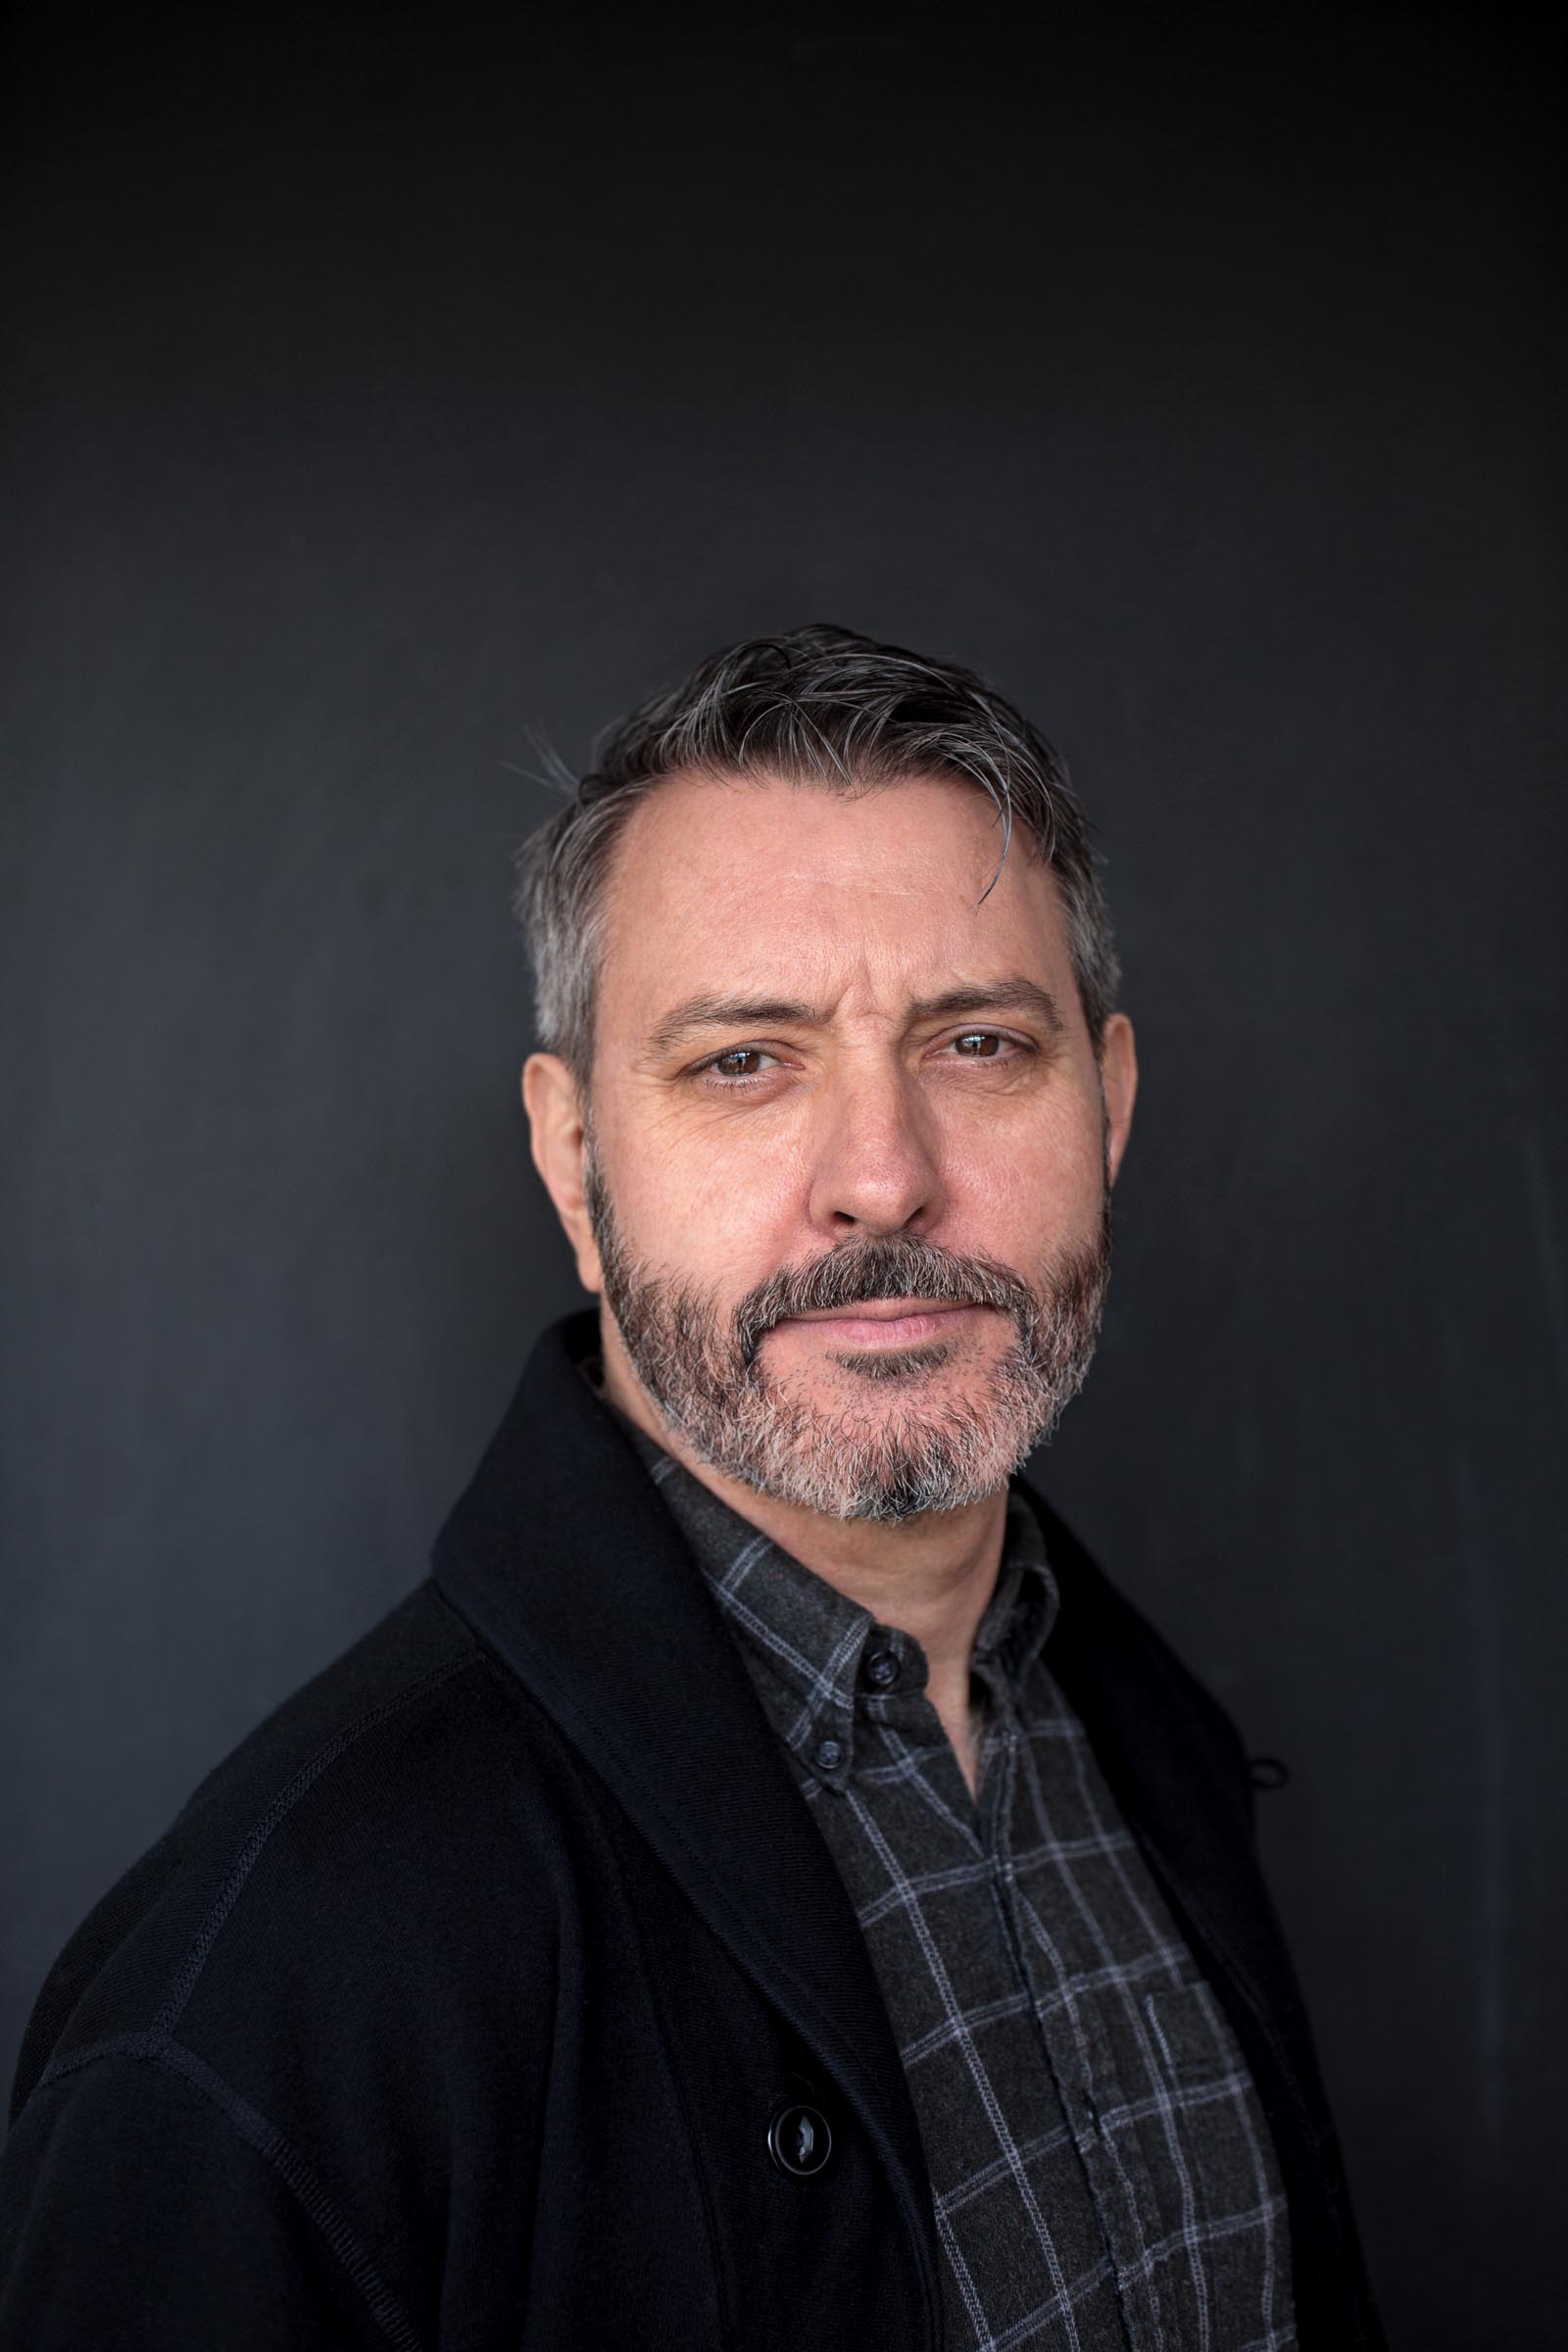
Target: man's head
[826, 989]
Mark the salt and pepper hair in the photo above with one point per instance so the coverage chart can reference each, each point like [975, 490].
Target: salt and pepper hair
[817, 706]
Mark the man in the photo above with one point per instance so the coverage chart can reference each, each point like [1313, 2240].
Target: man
[765, 1889]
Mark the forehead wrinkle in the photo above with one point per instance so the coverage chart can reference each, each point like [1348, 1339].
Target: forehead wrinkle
[808, 939]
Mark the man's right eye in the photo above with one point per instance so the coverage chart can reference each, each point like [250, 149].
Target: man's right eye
[738, 1062]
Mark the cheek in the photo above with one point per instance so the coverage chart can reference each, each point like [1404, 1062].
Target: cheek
[686, 1202]
[1043, 1189]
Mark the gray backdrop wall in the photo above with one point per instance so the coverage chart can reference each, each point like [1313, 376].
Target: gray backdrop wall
[381, 393]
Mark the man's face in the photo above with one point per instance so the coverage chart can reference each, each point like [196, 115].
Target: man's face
[846, 1166]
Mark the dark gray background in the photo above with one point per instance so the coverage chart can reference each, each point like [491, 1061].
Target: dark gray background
[379, 395]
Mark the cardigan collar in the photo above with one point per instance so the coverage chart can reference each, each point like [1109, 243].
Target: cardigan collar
[561, 1559]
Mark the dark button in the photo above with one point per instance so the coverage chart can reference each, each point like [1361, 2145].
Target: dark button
[829, 1754]
[800, 2141]
[881, 1669]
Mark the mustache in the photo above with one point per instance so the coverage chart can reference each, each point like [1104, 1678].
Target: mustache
[881, 1266]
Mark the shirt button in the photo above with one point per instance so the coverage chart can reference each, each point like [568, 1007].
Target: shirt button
[881, 1669]
[829, 1755]
[799, 2142]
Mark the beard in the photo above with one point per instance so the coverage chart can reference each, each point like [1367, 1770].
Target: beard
[905, 1450]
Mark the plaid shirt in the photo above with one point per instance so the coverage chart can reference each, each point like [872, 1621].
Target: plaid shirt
[1102, 2171]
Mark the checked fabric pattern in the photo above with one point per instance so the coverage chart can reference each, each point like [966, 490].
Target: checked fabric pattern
[1100, 2166]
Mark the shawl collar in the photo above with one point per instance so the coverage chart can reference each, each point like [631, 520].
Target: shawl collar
[1181, 1779]
[562, 1559]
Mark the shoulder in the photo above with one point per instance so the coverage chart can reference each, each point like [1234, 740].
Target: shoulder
[321, 1996]
[317, 1876]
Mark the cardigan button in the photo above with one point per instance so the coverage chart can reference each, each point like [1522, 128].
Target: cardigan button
[799, 2142]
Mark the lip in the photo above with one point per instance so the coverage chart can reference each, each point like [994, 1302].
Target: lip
[888, 1322]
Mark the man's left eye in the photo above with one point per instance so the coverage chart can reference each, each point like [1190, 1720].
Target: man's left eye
[979, 1045]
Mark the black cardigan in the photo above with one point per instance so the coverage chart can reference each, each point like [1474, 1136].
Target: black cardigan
[455, 2007]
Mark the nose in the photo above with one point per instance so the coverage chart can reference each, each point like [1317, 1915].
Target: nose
[875, 1166]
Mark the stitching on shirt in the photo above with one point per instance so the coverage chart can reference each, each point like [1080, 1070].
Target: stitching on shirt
[770, 1628]
[270, 2144]
[184, 1984]
[1200, 1921]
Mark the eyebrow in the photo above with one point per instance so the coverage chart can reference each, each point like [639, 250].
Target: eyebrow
[1011, 993]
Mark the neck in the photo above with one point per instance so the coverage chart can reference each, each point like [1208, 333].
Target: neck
[930, 1576]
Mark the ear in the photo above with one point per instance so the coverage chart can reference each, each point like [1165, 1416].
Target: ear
[556, 1138]
[1119, 1081]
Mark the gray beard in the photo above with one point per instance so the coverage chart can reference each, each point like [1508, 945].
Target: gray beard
[702, 1368]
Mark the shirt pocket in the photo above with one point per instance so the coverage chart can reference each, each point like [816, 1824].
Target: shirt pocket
[1214, 2114]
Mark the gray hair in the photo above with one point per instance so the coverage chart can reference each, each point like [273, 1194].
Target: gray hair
[817, 706]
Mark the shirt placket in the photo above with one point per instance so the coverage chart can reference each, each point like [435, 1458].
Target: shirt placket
[1082, 2061]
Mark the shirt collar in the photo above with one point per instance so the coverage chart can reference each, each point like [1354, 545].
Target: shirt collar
[822, 1659]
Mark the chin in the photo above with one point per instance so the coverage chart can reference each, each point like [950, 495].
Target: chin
[869, 1391]
[907, 1366]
